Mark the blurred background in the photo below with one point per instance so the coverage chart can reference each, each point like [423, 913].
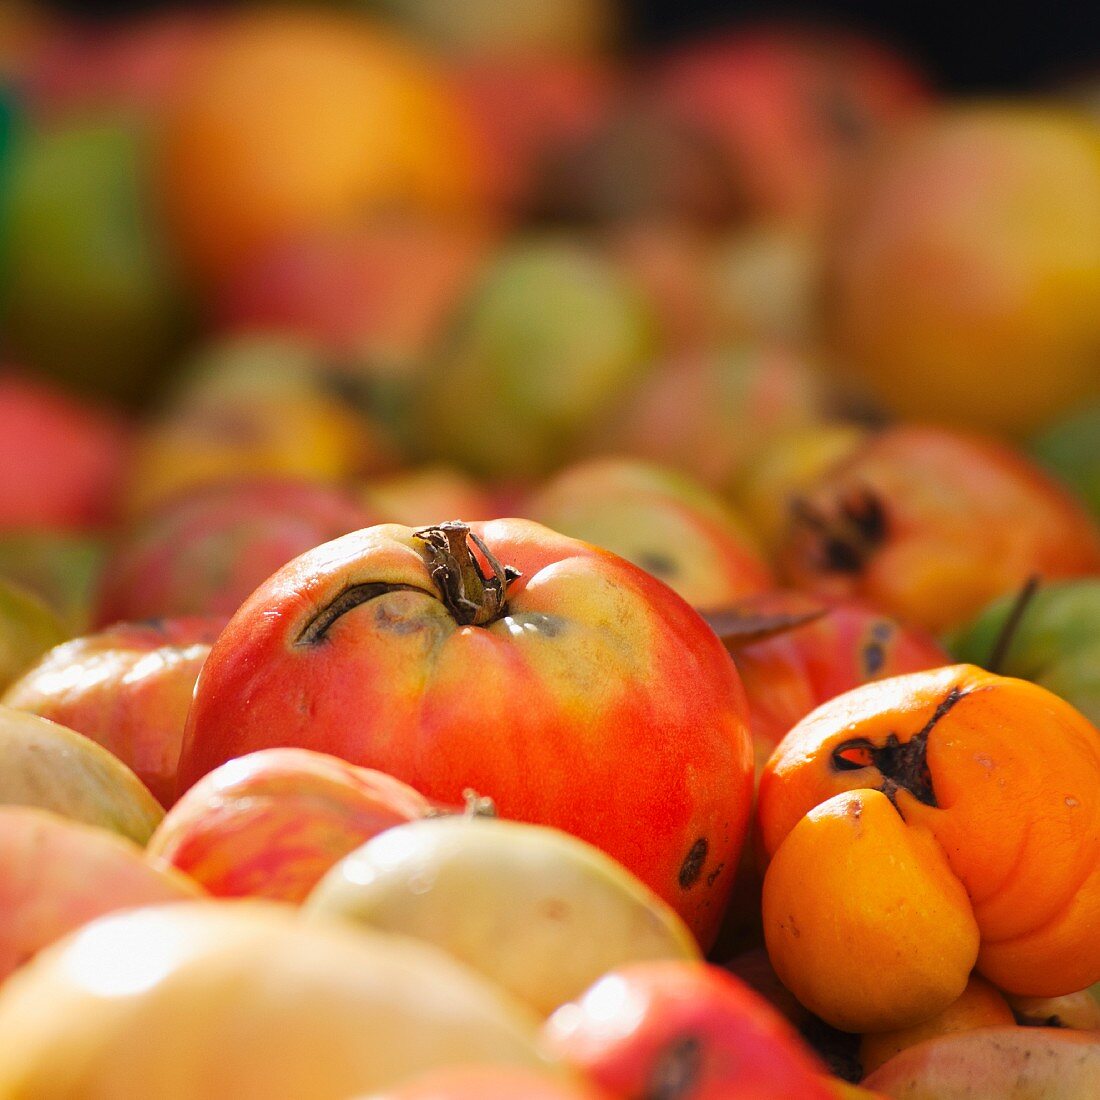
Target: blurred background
[432, 255]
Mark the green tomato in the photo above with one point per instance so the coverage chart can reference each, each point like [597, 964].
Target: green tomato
[1071, 450]
[1055, 644]
[93, 298]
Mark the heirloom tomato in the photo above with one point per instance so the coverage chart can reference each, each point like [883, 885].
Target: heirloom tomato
[995, 780]
[568, 685]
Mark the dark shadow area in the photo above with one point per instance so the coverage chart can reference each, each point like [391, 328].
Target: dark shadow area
[967, 48]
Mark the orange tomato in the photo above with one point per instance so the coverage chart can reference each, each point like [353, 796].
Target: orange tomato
[295, 120]
[1004, 775]
[964, 285]
[863, 919]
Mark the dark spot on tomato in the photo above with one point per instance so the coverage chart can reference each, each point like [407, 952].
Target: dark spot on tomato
[547, 625]
[394, 622]
[692, 867]
[555, 909]
[838, 556]
[714, 874]
[676, 1071]
[660, 565]
[865, 513]
[874, 657]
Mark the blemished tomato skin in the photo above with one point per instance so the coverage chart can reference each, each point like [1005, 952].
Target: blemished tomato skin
[599, 703]
[686, 1030]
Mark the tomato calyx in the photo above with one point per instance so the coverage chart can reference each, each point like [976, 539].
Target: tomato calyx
[846, 540]
[902, 764]
[473, 596]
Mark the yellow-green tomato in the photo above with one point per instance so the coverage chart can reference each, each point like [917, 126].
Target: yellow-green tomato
[541, 913]
[50, 766]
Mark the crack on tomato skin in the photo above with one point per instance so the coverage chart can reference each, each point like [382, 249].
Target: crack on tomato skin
[903, 765]
[316, 629]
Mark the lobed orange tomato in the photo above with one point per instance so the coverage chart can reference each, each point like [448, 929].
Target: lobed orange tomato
[999, 774]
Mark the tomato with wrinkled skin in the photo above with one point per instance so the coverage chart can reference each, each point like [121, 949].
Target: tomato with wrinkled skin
[1002, 774]
[591, 698]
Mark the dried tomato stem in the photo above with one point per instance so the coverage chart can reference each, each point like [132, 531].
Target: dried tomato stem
[473, 596]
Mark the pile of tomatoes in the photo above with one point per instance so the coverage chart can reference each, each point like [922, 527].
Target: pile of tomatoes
[532, 571]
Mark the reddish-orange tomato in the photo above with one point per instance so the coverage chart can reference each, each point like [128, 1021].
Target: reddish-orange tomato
[828, 648]
[793, 112]
[272, 823]
[931, 524]
[202, 551]
[683, 1029]
[568, 685]
[62, 461]
[128, 688]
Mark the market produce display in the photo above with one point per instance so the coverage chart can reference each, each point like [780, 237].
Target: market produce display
[535, 569]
